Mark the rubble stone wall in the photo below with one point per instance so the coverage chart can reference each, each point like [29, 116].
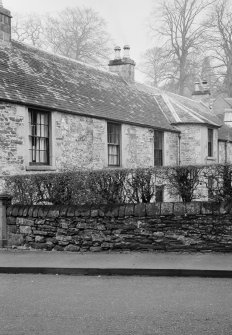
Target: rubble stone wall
[76, 142]
[171, 148]
[12, 138]
[194, 145]
[80, 142]
[192, 227]
[137, 146]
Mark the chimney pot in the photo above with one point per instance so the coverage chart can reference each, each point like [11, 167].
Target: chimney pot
[205, 85]
[197, 86]
[117, 52]
[126, 49]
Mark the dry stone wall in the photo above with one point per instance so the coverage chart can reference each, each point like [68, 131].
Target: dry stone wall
[189, 227]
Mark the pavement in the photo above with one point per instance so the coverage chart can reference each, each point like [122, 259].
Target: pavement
[216, 265]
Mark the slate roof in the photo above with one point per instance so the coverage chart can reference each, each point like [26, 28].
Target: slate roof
[35, 77]
[179, 109]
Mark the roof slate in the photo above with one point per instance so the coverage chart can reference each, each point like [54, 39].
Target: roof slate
[34, 77]
[180, 109]
[38, 78]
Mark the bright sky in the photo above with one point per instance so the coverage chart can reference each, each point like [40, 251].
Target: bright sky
[126, 19]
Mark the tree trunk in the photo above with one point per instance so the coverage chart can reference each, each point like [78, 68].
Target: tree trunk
[182, 76]
[229, 78]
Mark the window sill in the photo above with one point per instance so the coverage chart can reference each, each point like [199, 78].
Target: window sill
[211, 158]
[40, 168]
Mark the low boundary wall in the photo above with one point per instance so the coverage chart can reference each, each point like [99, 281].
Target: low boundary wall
[192, 227]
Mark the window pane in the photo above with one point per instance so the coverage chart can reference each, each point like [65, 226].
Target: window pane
[38, 130]
[46, 131]
[113, 152]
[43, 157]
[42, 144]
[46, 119]
[42, 118]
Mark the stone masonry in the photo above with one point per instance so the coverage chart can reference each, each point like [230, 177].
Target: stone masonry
[12, 141]
[189, 227]
[76, 142]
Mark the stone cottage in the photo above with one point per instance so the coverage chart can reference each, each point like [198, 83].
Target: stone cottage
[56, 112]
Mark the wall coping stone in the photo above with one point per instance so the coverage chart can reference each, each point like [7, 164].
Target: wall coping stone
[153, 209]
[121, 211]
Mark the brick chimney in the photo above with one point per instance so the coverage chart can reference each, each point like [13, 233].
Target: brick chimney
[125, 66]
[5, 24]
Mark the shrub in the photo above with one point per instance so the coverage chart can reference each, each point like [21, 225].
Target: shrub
[140, 185]
[184, 181]
[219, 182]
[107, 186]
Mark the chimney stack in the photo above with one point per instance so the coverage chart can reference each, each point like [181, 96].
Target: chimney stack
[202, 92]
[125, 66]
[5, 24]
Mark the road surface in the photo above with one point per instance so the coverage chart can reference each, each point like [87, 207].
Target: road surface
[69, 305]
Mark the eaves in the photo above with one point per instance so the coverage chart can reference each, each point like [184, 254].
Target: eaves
[51, 109]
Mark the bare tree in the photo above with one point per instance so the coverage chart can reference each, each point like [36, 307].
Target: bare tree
[79, 34]
[220, 41]
[156, 66]
[28, 29]
[162, 71]
[182, 33]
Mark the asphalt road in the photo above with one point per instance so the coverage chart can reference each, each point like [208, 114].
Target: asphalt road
[63, 305]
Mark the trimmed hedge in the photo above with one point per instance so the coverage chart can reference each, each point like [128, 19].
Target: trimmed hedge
[110, 186]
[83, 187]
